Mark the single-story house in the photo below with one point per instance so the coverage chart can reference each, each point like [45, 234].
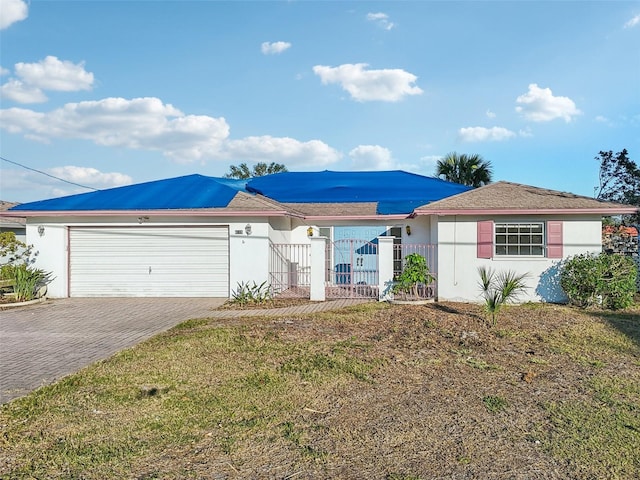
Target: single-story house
[324, 234]
[16, 225]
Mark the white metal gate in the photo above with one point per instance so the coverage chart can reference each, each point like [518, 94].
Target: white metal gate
[352, 269]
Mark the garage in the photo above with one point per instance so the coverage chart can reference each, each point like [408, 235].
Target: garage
[149, 261]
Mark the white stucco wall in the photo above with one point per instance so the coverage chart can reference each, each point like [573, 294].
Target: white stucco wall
[280, 229]
[51, 254]
[420, 228]
[248, 254]
[458, 263]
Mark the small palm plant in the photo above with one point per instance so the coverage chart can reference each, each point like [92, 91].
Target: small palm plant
[500, 288]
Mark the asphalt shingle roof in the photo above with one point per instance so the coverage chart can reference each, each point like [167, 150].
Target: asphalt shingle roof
[509, 196]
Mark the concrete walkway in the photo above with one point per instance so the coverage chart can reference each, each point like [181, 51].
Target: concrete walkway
[43, 342]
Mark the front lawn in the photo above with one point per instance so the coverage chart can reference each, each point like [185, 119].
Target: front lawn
[374, 391]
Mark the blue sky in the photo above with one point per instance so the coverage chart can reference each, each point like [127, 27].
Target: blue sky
[110, 93]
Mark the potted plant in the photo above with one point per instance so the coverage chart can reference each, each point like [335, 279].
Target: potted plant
[415, 275]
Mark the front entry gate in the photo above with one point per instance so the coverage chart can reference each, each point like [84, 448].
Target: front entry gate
[352, 269]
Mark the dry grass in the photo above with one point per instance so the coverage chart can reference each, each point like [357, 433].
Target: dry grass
[375, 391]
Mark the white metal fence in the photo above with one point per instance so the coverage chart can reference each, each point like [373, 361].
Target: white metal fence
[430, 253]
[290, 270]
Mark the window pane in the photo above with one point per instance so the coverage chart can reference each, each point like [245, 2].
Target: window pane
[524, 239]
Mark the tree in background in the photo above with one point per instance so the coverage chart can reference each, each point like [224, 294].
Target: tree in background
[619, 180]
[259, 169]
[471, 170]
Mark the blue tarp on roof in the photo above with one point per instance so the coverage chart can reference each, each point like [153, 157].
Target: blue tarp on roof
[191, 191]
[396, 192]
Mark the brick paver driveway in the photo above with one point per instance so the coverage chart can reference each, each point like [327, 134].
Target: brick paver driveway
[43, 342]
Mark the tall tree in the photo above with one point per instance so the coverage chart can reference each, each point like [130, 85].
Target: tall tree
[259, 169]
[471, 170]
[619, 179]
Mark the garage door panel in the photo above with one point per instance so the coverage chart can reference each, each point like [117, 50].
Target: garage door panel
[149, 261]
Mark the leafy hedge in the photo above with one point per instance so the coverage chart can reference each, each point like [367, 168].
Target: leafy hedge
[605, 280]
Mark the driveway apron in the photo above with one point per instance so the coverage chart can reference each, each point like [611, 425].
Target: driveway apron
[44, 342]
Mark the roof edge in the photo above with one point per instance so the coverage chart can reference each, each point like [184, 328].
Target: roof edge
[400, 216]
[529, 211]
[137, 213]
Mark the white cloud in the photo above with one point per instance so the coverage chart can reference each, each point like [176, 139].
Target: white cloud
[48, 74]
[285, 150]
[91, 177]
[635, 21]
[23, 185]
[490, 114]
[482, 134]
[525, 132]
[4, 71]
[140, 123]
[539, 105]
[272, 48]
[19, 92]
[148, 124]
[380, 19]
[389, 85]
[424, 165]
[371, 157]
[12, 11]
[54, 74]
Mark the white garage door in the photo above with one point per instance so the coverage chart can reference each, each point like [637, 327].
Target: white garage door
[149, 261]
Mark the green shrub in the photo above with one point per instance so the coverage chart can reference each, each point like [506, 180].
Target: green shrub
[414, 272]
[12, 250]
[606, 280]
[28, 281]
[246, 294]
[7, 272]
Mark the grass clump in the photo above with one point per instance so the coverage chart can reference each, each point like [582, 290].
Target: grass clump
[601, 439]
[494, 404]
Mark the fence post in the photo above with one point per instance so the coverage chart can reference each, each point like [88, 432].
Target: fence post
[385, 268]
[318, 247]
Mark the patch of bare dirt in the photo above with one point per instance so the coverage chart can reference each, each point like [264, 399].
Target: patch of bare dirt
[425, 414]
[269, 304]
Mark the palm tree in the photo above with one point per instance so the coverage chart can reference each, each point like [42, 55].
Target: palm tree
[471, 170]
[242, 171]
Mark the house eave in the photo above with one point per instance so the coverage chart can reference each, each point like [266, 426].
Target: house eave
[356, 217]
[529, 211]
[138, 213]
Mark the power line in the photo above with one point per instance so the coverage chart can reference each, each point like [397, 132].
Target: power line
[46, 174]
